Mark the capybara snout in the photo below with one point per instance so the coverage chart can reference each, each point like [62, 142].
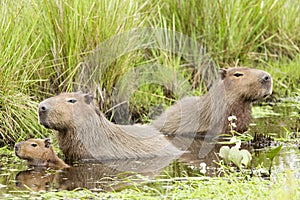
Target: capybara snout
[266, 81]
[267, 78]
[42, 108]
[17, 147]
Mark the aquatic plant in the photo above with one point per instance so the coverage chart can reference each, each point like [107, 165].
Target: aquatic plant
[239, 157]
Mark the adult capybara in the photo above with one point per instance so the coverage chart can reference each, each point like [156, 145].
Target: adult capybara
[84, 133]
[231, 95]
[40, 153]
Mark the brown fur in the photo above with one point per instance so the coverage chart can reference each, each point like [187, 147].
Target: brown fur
[207, 115]
[85, 133]
[40, 153]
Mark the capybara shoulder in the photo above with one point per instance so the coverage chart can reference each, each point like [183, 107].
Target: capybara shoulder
[230, 95]
[39, 152]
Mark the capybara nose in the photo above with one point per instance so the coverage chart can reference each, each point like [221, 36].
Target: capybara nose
[17, 147]
[266, 78]
[42, 108]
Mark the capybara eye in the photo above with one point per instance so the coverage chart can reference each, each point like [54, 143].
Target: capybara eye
[72, 100]
[34, 144]
[237, 74]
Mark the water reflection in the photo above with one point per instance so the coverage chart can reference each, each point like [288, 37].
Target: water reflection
[94, 176]
[115, 175]
[108, 176]
[35, 179]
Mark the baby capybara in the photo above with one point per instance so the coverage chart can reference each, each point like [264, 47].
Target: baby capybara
[231, 95]
[39, 153]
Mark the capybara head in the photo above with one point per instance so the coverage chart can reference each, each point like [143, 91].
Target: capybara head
[37, 151]
[246, 83]
[65, 111]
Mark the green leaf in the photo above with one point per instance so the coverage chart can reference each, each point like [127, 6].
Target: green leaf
[274, 152]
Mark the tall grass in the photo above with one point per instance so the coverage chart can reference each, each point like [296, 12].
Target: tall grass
[72, 29]
[237, 31]
[45, 45]
[19, 63]
[42, 46]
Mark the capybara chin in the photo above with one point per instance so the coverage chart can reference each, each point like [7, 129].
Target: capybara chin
[39, 153]
[231, 95]
[84, 133]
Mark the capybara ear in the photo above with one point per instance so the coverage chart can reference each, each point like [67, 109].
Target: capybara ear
[47, 142]
[88, 98]
[222, 73]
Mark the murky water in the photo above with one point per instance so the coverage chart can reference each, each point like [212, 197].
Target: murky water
[277, 121]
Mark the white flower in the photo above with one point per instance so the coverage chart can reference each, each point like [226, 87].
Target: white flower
[203, 168]
[203, 165]
[233, 125]
[233, 140]
[231, 118]
[238, 144]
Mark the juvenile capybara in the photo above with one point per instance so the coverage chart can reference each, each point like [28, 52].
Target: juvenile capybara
[40, 153]
[231, 95]
[84, 133]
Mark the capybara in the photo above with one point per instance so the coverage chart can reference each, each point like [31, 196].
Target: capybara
[39, 153]
[85, 134]
[231, 95]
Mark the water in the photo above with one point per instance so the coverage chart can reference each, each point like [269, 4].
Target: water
[281, 121]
